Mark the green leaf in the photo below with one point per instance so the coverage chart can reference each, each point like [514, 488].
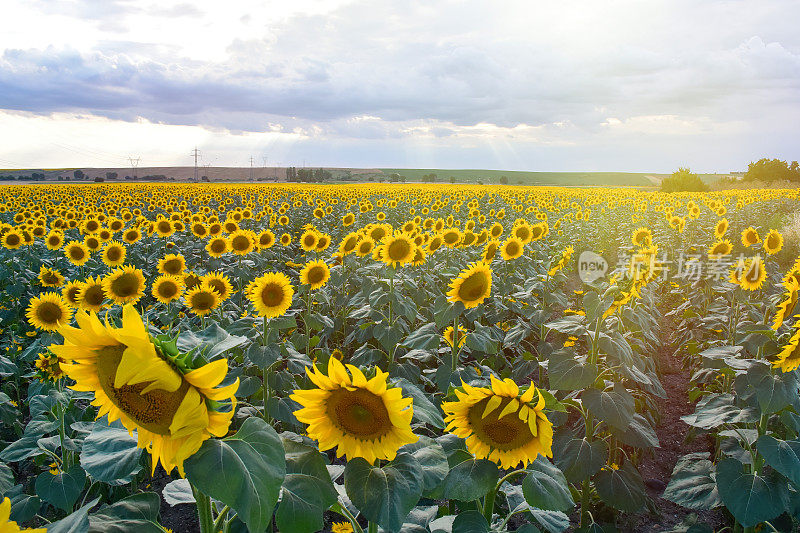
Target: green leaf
[470, 479]
[263, 356]
[61, 490]
[178, 491]
[6, 478]
[622, 489]
[578, 458]
[433, 460]
[77, 522]
[567, 373]
[307, 490]
[639, 434]
[774, 392]
[615, 407]
[211, 342]
[137, 513]
[782, 455]
[23, 506]
[750, 498]
[423, 338]
[692, 483]
[470, 522]
[244, 471]
[481, 341]
[384, 495]
[571, 325]
[545, 487]
[424, 410]
[717, 409]
[110, 454]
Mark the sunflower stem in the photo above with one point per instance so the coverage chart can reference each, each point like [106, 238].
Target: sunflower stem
[220, 518]
[456, 344]
[488, 505]
[203, 511]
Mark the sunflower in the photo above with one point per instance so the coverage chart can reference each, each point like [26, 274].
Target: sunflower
[217, 246]
[472, 286]
[131, 235]
[167, 288]
[70, 293]
[786, 306]
[172, 265]
[435, 243]
[359, 417]
[220, 283]
[365, 247]
[720, 249]
[202, 300]
[124, 284]
[753, 274]
[93, 243]
[750, 236]
[789, 358]
[419, 256]
[9, 526]
[721, 228]
[48, 311]
[54, 240]
[512, 248]
[163, 227]
[499, 424]
[642, 237]
[448, 336]
[265, 240]
[271, 294]
[773, 242]
[496, 230]
[50, 277]
[348, 244]
[348, 219]
[91, 295]
[398, 249]
[451, 237]
[114, 254]
[336, 527]
[241, 242]
[77, 253]
[323, 241]
[286, 239]
[315, 274]
[309, 240]
[149, 387]
[523, 232]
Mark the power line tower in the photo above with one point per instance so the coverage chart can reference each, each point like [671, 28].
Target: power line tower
[251, 168]
[196, 154]
[134, 165]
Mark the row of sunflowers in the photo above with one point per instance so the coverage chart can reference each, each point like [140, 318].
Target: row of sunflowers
[406, 358]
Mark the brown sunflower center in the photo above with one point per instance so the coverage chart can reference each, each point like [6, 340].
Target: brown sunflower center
[93, 295]
[50, 277]
[125, 285]
[512, 248]
[309, 240]
[153, 411]
[167, 289]
[772, 241]
[72, 294]
[272, 295]
[474, 287]
[173, 266]
[203, 301]
[219, 286]
[164, 226]
[359, 413]
[114, 254]
[316, 275]
[77, 253]
[523, 233]
[49, 313]
[507, 433]
[240, 243]
[218, 246]
[399, 250]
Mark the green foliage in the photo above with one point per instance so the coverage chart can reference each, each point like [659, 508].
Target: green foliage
[683, 180]
[768, 170]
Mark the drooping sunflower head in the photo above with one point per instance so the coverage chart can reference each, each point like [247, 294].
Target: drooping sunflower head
[359, 417]
[315, 274]
[172, 265]
[720, 249]
[721, 228]
[167, 288]
[147, 385]
[512, 248]
[490, 251]
[271, 294]
[461, 337]
[472, 286]
[114, 253]
[750, 236]
[50, 277]
[48, 311]
[70, 293]
[202, 300]
[500, 424]
[773, 242]
[91, 295]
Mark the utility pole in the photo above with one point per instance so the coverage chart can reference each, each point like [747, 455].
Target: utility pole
[251, 168]
[134, 164]
[196, 154]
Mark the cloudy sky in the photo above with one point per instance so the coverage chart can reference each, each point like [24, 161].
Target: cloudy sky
[640, 85]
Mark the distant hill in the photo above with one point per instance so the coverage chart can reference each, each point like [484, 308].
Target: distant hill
[348, 175]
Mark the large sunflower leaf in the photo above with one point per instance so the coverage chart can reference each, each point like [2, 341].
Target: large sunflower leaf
[782, 455]
[211, 342]
[615, 407]
[137, 513]
[692, 483]
[244, 471]
[470, 479]
[307, 490]
[384, 495]
[751, 498]
[567, 373]
[622, 489]
[545, 487]
[61, 490]
[577, 457]
[110, 454]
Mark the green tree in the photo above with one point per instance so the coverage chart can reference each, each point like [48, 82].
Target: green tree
[772, 170]
[683, 180]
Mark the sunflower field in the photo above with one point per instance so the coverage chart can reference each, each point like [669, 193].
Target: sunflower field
[440, 359]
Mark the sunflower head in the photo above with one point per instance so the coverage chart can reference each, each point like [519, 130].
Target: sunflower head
[91, 295]
[753, 274]
[124, 284]
[217, 246]
[49, 277]
[398, 249]
[500, 424]
[114, 253]
[77, 252]
[202, 300]
[315, 274]
[512, 248]
[773, 242]
[167, 288]
[48, 311]
[472, 286]
[789, 358]
[70, 293]
[271, 294]
[359, 417]
[220, 283]
[172, 265]
[750, 236]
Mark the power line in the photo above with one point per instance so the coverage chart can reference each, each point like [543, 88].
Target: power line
[196, 154]
[251, 168]
[134, 164]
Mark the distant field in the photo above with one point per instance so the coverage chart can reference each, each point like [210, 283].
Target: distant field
[621, 179]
